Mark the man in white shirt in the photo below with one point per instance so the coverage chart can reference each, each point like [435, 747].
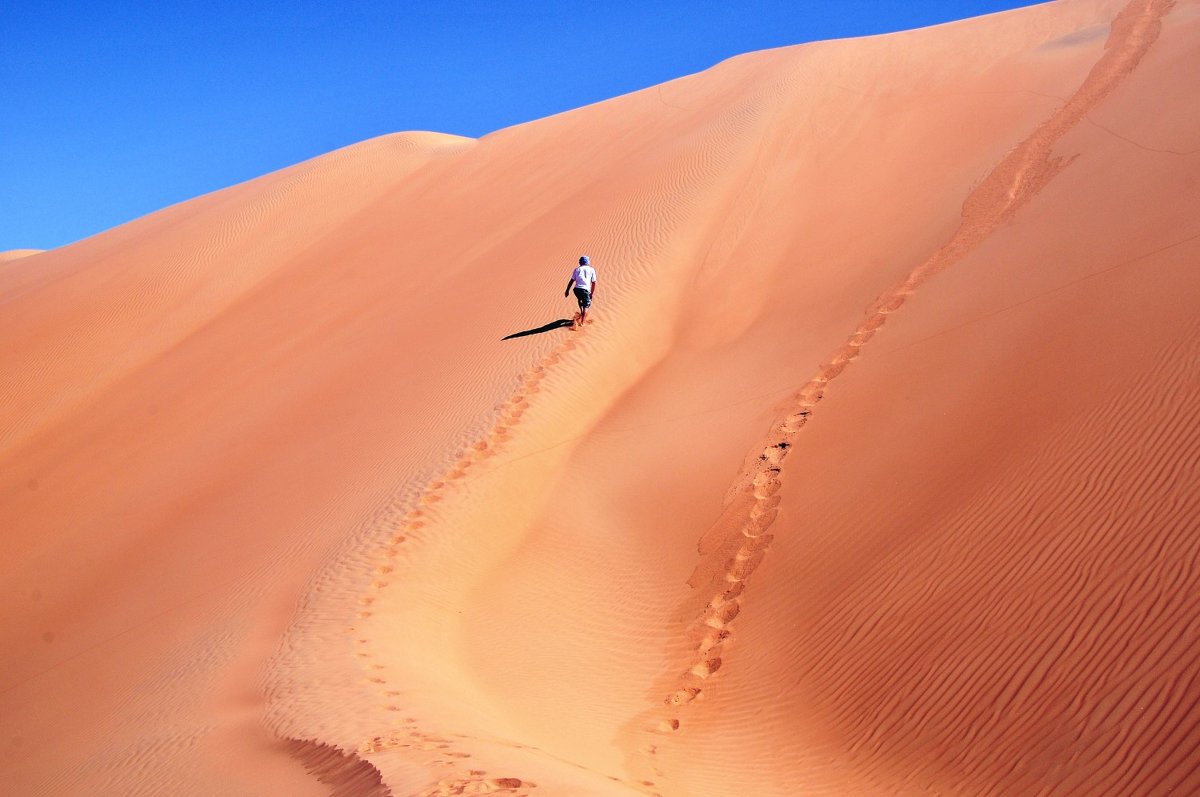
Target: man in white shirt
[583, 282]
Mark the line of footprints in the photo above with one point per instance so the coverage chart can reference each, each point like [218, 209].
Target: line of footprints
[473, 781]
[983, 210]
[713, 628]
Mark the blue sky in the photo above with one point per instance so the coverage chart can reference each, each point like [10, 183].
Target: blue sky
[114, 110]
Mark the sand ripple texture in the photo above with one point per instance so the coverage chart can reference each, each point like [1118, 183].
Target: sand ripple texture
[875, 470]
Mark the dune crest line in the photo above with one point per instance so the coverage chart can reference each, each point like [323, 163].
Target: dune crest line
[734, 548]
[484, 448]
[411, 528]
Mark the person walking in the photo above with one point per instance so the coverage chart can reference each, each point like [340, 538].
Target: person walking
[583, 282]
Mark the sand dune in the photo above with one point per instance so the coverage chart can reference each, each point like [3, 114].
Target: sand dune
[16, 254]
[875, 470]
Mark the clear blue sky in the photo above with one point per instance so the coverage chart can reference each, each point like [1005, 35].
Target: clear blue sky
[109, 111]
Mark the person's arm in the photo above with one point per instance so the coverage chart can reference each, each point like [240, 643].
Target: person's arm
[593, 290]
[570, 282]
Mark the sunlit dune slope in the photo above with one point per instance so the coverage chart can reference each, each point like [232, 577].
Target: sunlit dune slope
[875, 470]
[15, 254]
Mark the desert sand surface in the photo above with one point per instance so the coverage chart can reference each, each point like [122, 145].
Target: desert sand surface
[15, 254]
[875, 470]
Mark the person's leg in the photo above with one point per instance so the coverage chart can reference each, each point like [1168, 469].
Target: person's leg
[581, 297]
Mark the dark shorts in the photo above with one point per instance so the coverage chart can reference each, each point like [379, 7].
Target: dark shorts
[584, 298]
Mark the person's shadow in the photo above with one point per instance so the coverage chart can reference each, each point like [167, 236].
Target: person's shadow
[559, 324]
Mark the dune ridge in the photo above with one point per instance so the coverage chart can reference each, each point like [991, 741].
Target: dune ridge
[17, 254]
[312, 490]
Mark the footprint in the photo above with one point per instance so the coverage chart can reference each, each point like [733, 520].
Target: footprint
[742, 568]
[713, 638]
[720, 616]
[773, 455]
[761, 519]
[770, 502]
[706, 668]
[847, 353]
[861, 337]
[809, 398]
[764, 506]
[766, 485]
[891, 302]
[755, 539]
[833, 370]
[873, 323]
[509, 783]
[681, 697]
[792, 423]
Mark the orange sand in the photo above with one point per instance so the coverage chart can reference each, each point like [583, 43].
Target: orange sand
[15, 254]
[876, 470]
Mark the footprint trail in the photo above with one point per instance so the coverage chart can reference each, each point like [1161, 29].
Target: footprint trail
[454, 777]
[736, 546]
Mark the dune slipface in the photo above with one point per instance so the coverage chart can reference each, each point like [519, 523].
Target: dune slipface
[874, 471]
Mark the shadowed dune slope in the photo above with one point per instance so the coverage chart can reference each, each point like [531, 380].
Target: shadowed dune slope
[874, 470]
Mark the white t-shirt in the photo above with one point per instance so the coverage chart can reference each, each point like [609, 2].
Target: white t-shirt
[584, 276]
